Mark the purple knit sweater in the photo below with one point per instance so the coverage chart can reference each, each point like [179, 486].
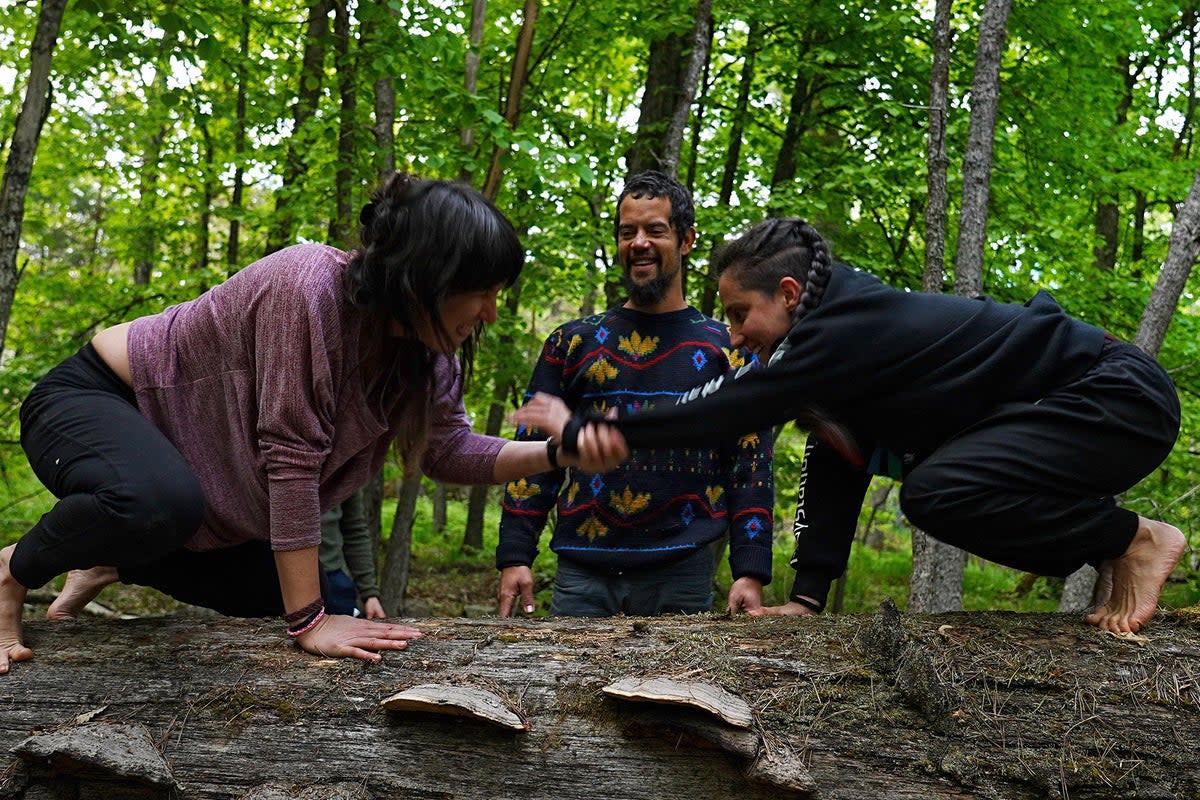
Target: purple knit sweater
[255, 382]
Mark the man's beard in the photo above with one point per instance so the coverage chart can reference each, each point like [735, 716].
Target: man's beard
[650, 292]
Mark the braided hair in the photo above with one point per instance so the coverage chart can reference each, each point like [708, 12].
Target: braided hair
[777, 248]
[788, 247]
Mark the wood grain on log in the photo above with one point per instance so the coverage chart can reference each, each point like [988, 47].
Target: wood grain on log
[983, 705]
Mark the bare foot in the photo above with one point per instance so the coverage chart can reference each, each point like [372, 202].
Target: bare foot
[1137, 577]
[12, 604]
[81, 588]
[1103, 588]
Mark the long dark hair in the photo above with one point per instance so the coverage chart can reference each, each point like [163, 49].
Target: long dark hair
[777, 248]
[422, 242]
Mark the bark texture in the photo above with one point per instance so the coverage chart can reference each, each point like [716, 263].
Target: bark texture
[21, 150]
[983, 705]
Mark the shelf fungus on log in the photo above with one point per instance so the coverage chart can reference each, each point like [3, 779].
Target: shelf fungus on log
[780, 768]
[697, 694]
[461, 701]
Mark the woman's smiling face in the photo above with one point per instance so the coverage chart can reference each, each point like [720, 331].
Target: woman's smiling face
[461, 315]
[757, 320]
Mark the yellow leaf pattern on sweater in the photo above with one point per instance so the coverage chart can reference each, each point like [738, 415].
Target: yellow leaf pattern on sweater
[637, 346]
[735, 358]
[576, 340]
[628, 504]
[593, 528]
[521, 490]
[601, 371]
[714, 494]
[571, 492]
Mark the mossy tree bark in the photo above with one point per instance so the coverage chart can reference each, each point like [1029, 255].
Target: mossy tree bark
[982, 705]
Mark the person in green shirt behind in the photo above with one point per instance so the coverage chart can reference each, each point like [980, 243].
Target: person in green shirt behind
[348, 561]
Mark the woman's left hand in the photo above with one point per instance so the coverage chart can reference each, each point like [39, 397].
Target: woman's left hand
[547, 413]
[338, 636]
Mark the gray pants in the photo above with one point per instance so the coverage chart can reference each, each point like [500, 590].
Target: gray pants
[684, 587]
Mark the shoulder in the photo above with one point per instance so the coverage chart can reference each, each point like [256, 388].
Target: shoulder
[301, 264]
[303, 275]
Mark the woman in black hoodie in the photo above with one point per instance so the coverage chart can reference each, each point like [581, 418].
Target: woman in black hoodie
[1011, 427]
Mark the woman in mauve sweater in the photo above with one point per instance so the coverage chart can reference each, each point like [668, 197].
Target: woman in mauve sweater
[194, 450]
[1011, 427]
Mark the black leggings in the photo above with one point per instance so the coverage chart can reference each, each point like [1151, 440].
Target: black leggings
[126, 498]
[1032, 485]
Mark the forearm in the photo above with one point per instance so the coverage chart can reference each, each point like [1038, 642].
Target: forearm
[828, 500]
[519, 459]
[298, 577]
[723, 409]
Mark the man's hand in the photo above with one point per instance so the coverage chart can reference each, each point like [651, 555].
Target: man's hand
[788, 609]
[746, 595]
[373, 609]
[516, 586]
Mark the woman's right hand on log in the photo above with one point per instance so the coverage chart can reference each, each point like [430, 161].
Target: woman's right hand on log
[349, 637]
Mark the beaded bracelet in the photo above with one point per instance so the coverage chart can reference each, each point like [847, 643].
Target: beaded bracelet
[296, 633]
[304, 613]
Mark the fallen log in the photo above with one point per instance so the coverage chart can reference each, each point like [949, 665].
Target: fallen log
[972, 705]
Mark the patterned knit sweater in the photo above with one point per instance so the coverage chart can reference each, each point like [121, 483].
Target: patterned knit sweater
[664, 503]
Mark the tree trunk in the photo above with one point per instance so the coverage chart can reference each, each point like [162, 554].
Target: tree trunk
[384, 127]
[937, 573]
[308, 95]
[733, 153]
[207, 193]
[516, 88]
[342, 223]
[938, 567]
[935, 154]
[438, 501]
[697, 58]
[232, 249]
[954, 707]
[21, 151]
[1078, 589]
[977, 160]
[1181, 256]
[665, 76]
[393, 582]
[373, 509]
[1107, 223]
[145, 246]
[478, 495]
[466, 136]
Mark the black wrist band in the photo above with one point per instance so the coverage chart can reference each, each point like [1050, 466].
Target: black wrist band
[552, 453]
[570, 436]
[812, 605]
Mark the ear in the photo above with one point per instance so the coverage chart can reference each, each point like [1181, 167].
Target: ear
[689, 239]
[790, 289]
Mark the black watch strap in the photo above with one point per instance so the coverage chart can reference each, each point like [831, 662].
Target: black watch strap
[570, 436]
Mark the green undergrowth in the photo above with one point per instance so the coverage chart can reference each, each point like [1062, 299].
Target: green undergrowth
[450, 580]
